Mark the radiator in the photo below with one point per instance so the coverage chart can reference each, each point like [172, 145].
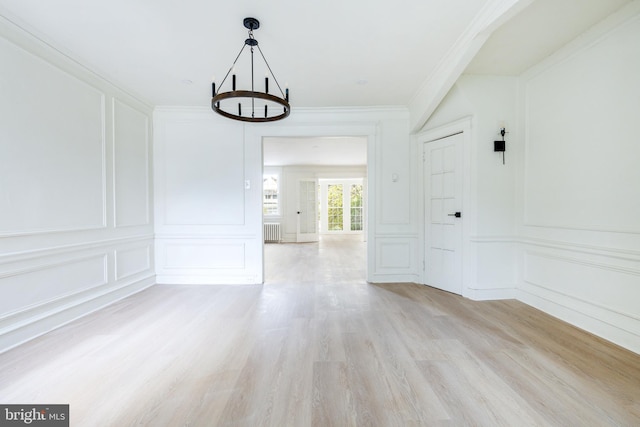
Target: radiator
[272, 232]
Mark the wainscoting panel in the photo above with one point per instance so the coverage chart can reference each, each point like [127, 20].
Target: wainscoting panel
[582, 279]
[395, 259]
[40, 284]
[204, 256]
[207, 261]
[132, 261]
[585, 289]
[494, 274]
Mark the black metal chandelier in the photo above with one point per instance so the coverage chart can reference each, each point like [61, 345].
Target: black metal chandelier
[262, 106]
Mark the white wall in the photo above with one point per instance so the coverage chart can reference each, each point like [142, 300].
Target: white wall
[205, 217]
[579, 210]
[558, 226]
[490, 102]
[76, 228]
[209, 225]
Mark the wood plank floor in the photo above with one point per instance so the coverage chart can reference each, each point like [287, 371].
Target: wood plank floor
[318, 346]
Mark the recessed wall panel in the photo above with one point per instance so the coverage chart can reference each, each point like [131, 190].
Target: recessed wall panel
[131, 165]
[204, 174]
[581, 157]
[394, 255]
[132, 261]
[43, 283]
[51, 146]
[204, 256]
[584, 281]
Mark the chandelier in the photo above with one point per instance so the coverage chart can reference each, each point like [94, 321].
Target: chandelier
[258, 106]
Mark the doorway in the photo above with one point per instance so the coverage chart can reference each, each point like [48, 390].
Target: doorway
[300, 165]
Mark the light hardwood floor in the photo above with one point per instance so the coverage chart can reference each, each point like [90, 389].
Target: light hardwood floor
[318, 346]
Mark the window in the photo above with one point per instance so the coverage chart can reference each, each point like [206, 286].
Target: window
[270, 190]
[334, 207]
[342, 205]
[356, 207]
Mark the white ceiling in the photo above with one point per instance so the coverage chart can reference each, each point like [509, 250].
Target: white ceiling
[330, 53]
[536, 32]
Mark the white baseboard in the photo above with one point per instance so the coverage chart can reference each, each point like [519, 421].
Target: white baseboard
[394, 278]
[186, 279]
[490, 294]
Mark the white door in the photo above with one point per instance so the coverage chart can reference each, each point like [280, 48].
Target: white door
[443, 213]
[307, 214]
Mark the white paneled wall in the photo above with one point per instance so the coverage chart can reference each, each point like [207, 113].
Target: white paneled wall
[558, 226]
[50, 120]
[484, 103]
[208, 191]
[76, 230]
[204, 233]
[580, 204]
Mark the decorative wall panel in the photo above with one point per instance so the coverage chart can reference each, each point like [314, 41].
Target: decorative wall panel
[204, 255]
[43, 283]
[132, 261]
[204, 174]
[131, 165]
[68, 174]
[53, 147]
[582, 129]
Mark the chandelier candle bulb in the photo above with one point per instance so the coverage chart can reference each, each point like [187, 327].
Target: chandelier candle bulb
[265, 111]
[234, 82]
[213, 88]
[239, 109]
[286, 92]
[266, 85]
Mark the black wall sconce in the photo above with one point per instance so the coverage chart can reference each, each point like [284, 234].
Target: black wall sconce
[500, 146]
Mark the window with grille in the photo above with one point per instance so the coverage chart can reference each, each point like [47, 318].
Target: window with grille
[335, 207]
[342, 206]
[270, 192]
[356, 207]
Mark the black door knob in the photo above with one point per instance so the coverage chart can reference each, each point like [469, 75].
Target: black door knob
[457, 214]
